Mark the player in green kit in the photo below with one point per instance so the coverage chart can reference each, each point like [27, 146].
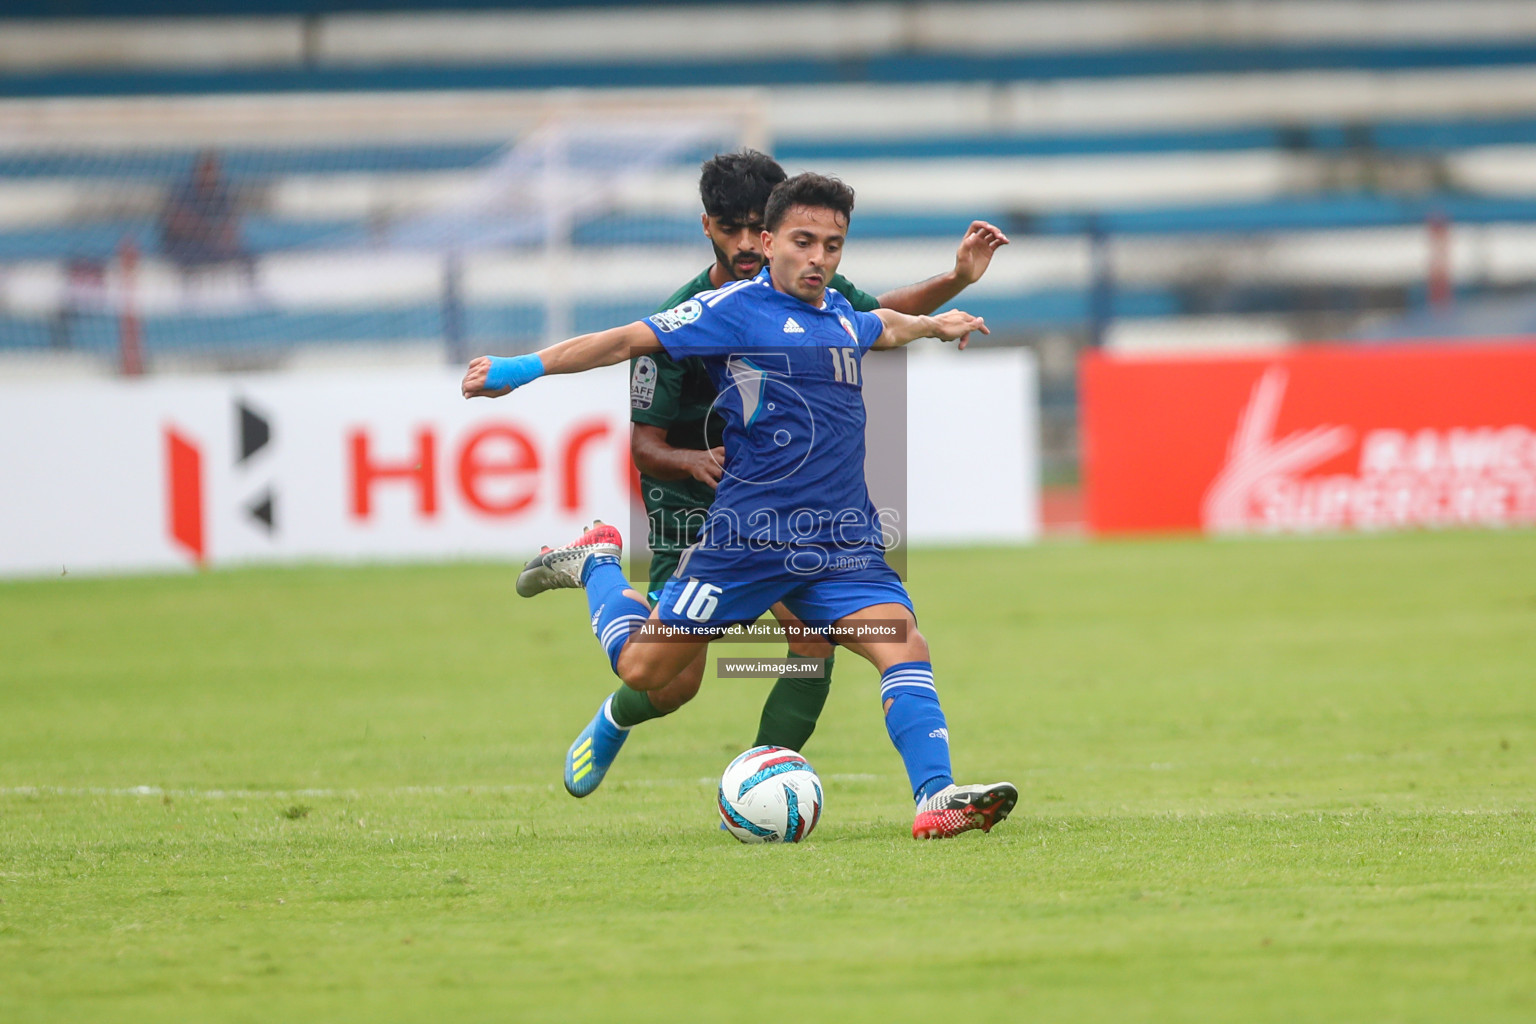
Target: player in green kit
[676, 445]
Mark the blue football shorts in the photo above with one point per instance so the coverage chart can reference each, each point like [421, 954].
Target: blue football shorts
[819, 583]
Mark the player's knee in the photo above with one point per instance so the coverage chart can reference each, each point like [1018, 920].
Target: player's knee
[917, 647]
[638, 673]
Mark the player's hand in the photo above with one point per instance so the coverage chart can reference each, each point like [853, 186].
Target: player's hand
[474, 380]
[955, 325]
[975, 253]
[707, 467]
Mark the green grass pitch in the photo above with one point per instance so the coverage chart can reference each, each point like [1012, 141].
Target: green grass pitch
[1271, 780]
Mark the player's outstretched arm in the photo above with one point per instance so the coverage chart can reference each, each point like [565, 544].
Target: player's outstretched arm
[971, 261]
[950, 325]
[494, 376]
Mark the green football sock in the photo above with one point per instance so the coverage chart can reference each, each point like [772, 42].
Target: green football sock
[792, 708]
[631, 707]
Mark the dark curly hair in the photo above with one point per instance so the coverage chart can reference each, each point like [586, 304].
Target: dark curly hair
[736, 186]
[808, 189]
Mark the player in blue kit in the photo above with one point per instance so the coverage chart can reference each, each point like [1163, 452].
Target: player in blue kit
[792, 520]
[676, 444]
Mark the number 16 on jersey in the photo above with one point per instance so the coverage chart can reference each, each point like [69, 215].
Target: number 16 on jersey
[845, 366]
[697, 601]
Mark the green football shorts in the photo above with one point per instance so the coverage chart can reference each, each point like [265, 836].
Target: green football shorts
[663, 565]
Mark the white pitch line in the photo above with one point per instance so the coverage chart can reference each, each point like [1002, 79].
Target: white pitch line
[354, 794]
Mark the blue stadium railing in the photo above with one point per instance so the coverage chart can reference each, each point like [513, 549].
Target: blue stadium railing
[512, 327]
[1422, 136]
[32, 9]
[1303, 213]
[172, 163]
[506, 327]
[99, 240]
[880, 69]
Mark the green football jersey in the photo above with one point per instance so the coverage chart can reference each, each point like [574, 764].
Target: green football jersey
[677, 395]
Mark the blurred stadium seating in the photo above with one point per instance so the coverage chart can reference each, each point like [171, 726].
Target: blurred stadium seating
[1175, 173]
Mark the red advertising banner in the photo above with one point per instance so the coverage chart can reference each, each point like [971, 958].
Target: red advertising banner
[1322, 438]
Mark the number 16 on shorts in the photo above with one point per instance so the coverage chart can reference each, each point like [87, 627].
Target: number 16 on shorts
[697, 601]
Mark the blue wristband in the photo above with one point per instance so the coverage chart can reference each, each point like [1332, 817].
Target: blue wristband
[513, 372]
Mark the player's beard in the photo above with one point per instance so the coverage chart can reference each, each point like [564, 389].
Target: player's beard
[730, 263]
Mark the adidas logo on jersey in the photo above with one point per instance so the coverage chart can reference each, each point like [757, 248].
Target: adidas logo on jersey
[790, 327]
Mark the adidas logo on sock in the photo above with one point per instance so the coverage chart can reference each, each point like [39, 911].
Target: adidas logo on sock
[790, 327]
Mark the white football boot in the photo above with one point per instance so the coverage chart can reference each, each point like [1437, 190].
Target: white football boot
[554, 568]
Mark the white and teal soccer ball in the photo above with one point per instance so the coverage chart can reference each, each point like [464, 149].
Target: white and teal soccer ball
[770, 795]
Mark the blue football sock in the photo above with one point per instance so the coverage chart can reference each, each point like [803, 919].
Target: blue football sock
[614, 616]
[916, 726]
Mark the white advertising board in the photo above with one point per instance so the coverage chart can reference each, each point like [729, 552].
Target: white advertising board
[168, 473]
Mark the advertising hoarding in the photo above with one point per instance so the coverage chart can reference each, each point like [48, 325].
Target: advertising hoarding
[167, 473]
[1318, 439]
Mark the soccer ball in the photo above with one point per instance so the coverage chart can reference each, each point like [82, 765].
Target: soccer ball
[770, 795]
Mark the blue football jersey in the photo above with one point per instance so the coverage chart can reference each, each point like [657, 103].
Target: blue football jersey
[791, 396]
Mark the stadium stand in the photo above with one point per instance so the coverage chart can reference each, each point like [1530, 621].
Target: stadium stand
[1175, 173]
